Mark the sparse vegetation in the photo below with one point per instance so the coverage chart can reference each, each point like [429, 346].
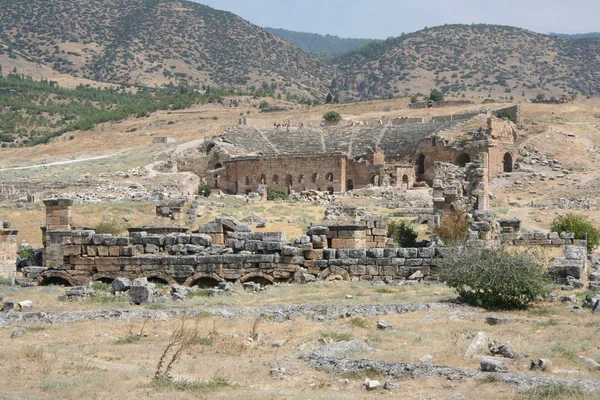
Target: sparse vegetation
[580, 226]
[454, 228]
[111, 227]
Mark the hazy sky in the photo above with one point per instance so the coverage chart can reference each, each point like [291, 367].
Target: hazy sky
[380, 19]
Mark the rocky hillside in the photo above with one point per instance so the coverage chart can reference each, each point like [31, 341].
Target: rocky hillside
[475, 60]
[322, 45]
[156, 42]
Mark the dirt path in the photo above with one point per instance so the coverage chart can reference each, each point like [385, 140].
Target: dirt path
[56, 163]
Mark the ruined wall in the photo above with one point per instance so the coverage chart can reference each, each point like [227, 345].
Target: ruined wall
[8, 249]
[437, 104]
[513, 111]
[461, 189]
[194, 259]
[285, 173]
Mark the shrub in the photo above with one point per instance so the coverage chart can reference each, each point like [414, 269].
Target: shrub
[506, 115]
[332, 116]
[110, 227]
[403, 233]
[495, 278]
[454, 228]
[436, 95]
[580, 226]
[414, 99]
[274, 194]
[204, 190]
[264, 105]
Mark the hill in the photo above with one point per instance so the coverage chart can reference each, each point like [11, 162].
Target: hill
[323, 45]
[33, 112]
[471, 60]
[157, 42]
[576, 35]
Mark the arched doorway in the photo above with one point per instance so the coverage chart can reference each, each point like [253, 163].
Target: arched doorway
[263, 179]
[405, 181]
[276, 179]
[421, 164]
[508, 162]
[350, 185]
[374, 180]
[218, 166]
[463, 159]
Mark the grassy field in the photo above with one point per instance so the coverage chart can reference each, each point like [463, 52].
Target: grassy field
[233, 358]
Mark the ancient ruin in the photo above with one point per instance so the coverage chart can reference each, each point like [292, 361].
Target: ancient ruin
[340, 156]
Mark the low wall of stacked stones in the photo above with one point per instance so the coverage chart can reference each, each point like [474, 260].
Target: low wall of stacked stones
[191, 259]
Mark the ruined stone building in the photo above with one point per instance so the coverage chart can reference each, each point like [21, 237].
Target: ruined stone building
[348, 156]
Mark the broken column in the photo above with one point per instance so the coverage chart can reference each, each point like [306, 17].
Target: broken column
[58, 227]
[8, 249]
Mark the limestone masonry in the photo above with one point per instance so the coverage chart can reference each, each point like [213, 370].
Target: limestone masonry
[346, 155]
[352, 248]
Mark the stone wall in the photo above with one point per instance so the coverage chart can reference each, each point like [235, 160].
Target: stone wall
[461, 189]
[8, 249]
[513, 111]
[436, 104]
[171, 256]
[285, 173]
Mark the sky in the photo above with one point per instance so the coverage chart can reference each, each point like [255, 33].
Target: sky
[380, 19]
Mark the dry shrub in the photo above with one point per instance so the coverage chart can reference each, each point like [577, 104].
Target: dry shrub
[183, 339]
[454, 227]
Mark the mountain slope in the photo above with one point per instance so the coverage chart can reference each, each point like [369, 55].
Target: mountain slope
[324, 45]
[576, 35]
[156, 42]
[476, 60]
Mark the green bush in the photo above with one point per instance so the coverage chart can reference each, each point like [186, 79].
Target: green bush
[274, 194]
[436, 95]
[332, 116]
[403, 233]
[506, 115]
[495, 278]
[580, 226]
[204, 190]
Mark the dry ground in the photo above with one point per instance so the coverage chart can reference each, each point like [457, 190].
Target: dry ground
[101, 359]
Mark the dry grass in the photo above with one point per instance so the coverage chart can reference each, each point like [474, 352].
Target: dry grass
[233, 357]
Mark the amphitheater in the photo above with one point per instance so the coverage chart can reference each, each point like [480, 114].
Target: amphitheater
[341, 156]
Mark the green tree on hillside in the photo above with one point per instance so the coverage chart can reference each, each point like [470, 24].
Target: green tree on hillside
[436, 95]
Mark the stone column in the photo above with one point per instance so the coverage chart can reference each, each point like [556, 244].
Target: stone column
[58, 214]
[57, 230]
[8, 249]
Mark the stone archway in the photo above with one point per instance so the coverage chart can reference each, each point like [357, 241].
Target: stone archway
[508, 163]
[349, 185]
[462, 159]
[405, 181]
[203, 278]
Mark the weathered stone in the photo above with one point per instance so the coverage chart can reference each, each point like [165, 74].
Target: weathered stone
[492, 365]
[25, 305]
[540, 364]
[505, 350]
[382, 325]
[371, 384]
